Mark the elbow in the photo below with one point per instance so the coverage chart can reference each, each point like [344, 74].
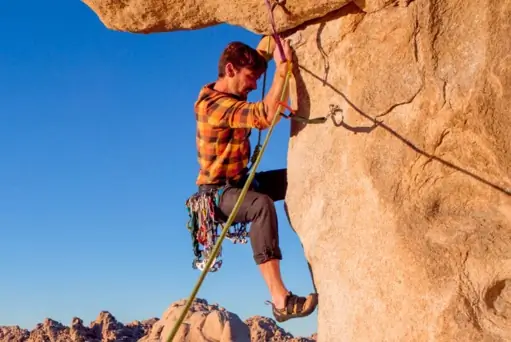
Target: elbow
[273, 110]
[270, 109]
[264, 124]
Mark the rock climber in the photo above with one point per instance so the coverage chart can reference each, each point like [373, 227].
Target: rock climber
[224, 122]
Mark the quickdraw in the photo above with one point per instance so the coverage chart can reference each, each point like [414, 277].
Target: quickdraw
[334, 109]
[204, 224]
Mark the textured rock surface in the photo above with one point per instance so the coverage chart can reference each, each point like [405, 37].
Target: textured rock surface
[406, 223]
[204, 323]
[104, 329]
[166, 15]
[412, 218]
[265, 329]
[13, 334]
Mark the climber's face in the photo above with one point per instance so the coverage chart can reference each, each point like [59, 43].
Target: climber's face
[247, 82]
[243, 81]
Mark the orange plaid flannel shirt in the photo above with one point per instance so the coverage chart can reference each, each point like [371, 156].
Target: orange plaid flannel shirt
[224, 123]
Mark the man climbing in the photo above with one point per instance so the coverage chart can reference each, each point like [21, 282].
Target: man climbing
[224, 122]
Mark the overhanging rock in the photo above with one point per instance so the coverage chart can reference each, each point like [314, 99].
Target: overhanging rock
[148, 16]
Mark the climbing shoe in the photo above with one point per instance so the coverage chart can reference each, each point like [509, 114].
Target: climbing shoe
[295, 306]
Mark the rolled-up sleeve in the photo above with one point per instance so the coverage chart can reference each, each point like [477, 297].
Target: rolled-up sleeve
[229, 112]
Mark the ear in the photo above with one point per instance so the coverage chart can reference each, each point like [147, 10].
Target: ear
[230, 71]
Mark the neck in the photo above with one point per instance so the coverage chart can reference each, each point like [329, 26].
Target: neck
[224, 86]
[221, 85]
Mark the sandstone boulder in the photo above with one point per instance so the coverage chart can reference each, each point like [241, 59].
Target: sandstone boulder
[403, 205]
[203, 323]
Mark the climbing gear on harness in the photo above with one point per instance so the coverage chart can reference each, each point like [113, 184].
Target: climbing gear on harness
[237, 205]
[203, 224]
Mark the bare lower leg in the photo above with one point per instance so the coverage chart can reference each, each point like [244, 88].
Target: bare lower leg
[271, 274]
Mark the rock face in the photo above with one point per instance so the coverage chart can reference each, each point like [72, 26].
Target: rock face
[204, 323]
[404, 204]
[407, 222]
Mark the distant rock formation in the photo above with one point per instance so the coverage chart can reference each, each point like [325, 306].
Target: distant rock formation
[104, 329]
[203, 323]
[265, 329]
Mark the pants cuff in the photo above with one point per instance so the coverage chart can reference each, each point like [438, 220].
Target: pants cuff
[268, 255]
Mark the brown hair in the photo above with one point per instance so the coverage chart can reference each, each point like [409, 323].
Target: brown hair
[241, 55]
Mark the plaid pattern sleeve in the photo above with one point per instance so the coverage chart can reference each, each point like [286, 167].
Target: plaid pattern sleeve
[223, 129]
[226, 111]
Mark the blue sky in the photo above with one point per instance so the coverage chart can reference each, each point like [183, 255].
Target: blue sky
[97, 157]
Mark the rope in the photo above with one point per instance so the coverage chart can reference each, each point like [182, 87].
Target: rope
[274, 29]
[238, 202]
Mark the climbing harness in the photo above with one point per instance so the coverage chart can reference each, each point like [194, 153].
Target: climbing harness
[203, 225]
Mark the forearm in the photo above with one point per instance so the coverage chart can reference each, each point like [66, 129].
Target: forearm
[274, 95]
